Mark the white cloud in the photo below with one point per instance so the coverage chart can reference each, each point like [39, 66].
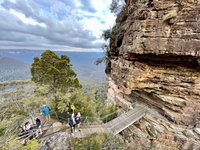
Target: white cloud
[101, 20]
[26, 20]
[59, 24]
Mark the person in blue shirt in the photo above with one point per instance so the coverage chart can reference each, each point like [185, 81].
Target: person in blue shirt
[45, 112]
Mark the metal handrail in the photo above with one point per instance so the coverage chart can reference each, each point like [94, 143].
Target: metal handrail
[100, 122]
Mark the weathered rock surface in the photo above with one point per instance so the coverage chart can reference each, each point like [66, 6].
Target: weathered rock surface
[158, 27]
[155, 60]
[59, 141]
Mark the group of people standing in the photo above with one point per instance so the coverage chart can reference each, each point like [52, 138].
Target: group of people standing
[27, 128]
[73, 120]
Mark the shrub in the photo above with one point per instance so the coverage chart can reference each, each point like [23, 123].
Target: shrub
[109, 113]
[116, 6]
[11, 142]
[31, 145]
[1, 131]
[93, 142]
[117, 31]
[98, 142]
[107, 34]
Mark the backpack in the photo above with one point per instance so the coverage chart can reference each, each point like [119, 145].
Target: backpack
[77, 119]
[49, 108]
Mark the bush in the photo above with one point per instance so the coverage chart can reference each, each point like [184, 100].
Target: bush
[93, 142]
[116, 31]
[116, 6]
[86, 104]
[11, 142]
[31, 145]
[114, 143]
[99, 142]
[109, 113]
[107, 34]
[1, 131]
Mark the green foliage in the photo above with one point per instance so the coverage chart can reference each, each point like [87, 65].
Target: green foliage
[94, 142]
[54, 71]
[116, 31]
[31, 145]
[116, 6]
[99, 142]
[13, 109]
[13, 113]
[11, 142]
[56, 75]
[107, 34]
[85, 104]
[114, 143]
[100, 60]
[104, 59]
[108, 113]
[101, 93]
[2, 131]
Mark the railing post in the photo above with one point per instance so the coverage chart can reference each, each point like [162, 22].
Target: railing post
[56, 114]
[86, 121]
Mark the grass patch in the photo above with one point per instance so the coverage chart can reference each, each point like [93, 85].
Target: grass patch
[94, 142]
[1, 131]
[109, 113]
[98, 142]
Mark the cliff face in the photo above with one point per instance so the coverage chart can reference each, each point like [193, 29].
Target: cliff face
[155, 61]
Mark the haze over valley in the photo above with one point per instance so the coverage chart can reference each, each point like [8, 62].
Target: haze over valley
[15, 65]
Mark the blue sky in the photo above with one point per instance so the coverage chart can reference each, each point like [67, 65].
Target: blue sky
[71, 25]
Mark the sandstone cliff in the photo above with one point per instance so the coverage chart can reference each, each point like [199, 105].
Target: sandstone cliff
[155, 61]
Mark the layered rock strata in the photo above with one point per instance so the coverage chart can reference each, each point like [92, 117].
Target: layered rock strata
[155, 59]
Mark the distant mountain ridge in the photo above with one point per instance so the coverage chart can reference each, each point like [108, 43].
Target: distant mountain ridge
[12, 69]
[10, 63]
[15, 65]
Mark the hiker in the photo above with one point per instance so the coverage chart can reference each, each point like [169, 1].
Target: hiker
[28, 126]
[78, 120]
[29, 130]
[72, 123]
[26, 130]
[45, 111]
[71, 108]
[38, 125]
[21, 131]
[38, 122]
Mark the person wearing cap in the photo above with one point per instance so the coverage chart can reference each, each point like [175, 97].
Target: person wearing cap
[72, 107]
[45, 112]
